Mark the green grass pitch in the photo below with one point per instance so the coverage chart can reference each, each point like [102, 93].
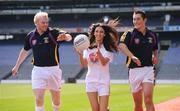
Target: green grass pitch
[19, 97]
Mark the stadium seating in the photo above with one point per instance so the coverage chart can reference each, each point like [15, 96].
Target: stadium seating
[17, 18]
[68, 59]
[170, 66]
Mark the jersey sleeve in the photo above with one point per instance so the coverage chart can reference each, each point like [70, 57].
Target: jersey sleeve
[125, 38]
[27, 45]
[156, 42]
[55, 33]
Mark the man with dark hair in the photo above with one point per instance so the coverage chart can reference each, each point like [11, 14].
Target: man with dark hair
[141, 47]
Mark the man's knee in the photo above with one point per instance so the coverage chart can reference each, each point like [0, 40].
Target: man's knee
[56, 100]
[39, 100]
[138, 104]
[56, 103]
[148, 100]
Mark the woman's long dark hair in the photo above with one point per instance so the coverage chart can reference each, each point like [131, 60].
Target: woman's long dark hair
[110, 40]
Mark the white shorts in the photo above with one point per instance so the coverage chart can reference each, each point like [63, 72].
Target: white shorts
[46, 78]
[102, 89]
[137, 76]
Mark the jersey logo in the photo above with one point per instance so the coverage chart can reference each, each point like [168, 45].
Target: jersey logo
[34, 42]
[46, 40]
[136, 41]
[150, 40]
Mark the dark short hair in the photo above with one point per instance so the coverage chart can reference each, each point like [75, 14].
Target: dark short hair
[142, 13]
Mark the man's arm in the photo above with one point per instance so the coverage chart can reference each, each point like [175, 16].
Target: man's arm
[22, 56]
[155, 55]
[155, 58]
[60, 35]
[123, 48]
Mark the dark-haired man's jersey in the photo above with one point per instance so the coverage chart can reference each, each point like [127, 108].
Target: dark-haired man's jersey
[142, 46]
[45, 50]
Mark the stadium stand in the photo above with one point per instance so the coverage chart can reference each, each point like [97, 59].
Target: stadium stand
[76, 16]
[19, 13]
[170, 67]
[68, 60]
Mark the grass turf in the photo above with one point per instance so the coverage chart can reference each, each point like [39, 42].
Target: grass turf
[19, 97]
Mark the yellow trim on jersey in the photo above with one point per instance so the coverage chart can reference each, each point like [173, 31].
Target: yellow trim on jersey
[128, 62]
[131, 30]
[124, 35]
[32, 62]
[56, 58]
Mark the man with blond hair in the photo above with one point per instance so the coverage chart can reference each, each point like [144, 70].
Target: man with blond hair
[46, 74]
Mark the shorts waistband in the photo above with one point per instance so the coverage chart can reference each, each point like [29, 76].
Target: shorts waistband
[140, 67]
[57, 66]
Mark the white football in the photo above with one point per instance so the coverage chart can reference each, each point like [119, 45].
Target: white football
[81, 42]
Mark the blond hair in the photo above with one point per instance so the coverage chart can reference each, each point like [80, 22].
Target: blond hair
[38, 15]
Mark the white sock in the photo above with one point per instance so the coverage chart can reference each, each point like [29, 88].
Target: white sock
[56, 107]
[39, 108]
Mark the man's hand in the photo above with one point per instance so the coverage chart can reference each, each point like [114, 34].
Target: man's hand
[136, 60]
[155, 60]
[64, 37]
[14, 71]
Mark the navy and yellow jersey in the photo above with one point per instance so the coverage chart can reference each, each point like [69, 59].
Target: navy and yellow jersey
[141, 46]
[44, 47]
